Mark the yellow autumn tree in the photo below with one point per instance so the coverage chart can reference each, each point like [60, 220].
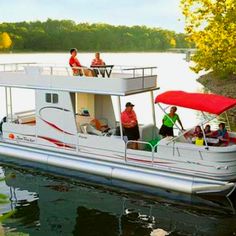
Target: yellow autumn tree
[173, 43]
[5, 40]
[211, 25]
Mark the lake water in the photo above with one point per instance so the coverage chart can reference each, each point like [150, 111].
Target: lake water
[49, 205]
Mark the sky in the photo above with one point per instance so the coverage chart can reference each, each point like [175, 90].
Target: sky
[153, 13]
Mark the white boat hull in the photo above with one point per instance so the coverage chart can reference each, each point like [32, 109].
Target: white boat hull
[145, 176]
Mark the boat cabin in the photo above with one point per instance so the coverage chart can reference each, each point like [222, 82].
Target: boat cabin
[72, 111]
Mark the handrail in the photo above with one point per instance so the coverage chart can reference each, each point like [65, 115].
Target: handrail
[54, 69]
[141, 142]
[140, 68]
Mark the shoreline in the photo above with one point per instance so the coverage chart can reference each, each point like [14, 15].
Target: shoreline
[34, 52]
[221, 86]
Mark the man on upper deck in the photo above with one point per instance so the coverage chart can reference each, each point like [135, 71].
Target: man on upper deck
[74, 62]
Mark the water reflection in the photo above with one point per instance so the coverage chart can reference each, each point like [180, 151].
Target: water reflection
[46, 205]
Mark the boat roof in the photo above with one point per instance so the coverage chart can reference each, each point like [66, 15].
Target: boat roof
[121, 81]
[211, 103]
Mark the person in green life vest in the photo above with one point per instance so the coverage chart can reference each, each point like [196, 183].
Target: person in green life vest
[168, 122]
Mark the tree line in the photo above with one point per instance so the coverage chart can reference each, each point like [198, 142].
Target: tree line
[60, 35]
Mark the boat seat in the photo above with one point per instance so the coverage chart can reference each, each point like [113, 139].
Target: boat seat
[82, 120]
[26, 117]
[232, 140]
[148, 132]
[89, 129]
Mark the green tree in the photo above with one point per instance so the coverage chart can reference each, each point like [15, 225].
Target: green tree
[211, 25]
[61, 35]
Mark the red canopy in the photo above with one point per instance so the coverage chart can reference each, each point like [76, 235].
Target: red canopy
[211, 103]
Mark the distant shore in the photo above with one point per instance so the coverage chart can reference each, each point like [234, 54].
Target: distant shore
[80, 51]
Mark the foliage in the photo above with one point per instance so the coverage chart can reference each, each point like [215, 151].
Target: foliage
[61, 35]
[7, 215]
[211, 25]
[5, 40]
[3, 200]
[3, 197]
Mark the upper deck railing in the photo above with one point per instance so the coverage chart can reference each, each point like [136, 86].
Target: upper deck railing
[55, 69]
[109, 79]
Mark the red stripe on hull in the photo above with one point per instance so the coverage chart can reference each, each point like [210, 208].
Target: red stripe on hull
[56, 142]
[56, 127]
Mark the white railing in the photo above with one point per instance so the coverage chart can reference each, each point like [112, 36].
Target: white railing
[153, 149]
[53, 69]
[14, 67]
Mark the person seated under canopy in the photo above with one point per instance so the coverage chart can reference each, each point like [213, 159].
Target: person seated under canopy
[222, 134]
[207, 131]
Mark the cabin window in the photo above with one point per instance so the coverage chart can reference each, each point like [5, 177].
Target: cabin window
[51, 97]
[54, 98]
[48, 98]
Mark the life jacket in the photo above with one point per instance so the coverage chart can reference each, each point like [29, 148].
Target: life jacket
[199, 141]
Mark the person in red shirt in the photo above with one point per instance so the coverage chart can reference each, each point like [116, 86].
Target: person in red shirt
[74, 62]
[97, 61]
[130, 124]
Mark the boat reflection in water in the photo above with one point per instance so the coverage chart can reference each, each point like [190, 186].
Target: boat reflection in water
[48, 205]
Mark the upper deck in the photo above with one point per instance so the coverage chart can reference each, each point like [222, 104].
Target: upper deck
[121, 81]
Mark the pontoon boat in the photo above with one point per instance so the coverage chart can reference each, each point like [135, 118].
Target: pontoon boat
[58, 137]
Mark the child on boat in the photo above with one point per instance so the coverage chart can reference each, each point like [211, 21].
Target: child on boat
[222, 134]
[199, 141]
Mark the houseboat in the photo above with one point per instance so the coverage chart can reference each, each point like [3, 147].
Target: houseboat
[60, 135]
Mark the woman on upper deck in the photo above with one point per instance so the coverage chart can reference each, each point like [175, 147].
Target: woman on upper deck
[97, 61]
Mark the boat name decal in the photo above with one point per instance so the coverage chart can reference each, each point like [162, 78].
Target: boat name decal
[25, 139]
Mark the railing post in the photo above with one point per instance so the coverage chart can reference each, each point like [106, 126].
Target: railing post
[119, 111]
[126, 144]
[6, 100]
[153, 150]
[143, 78]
